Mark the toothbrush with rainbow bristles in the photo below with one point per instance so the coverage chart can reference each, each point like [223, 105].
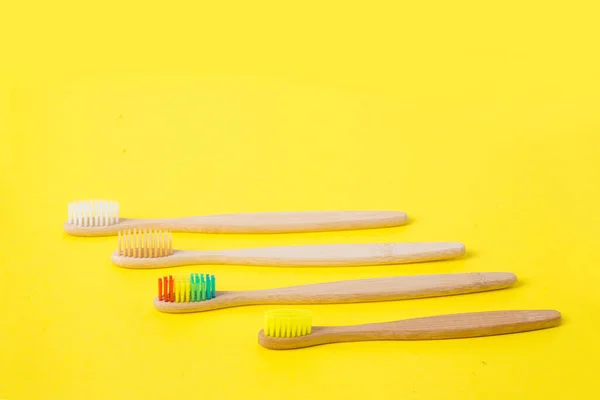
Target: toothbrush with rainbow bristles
[101, 218]
[154, 249]
[197, 292]
[292, 329]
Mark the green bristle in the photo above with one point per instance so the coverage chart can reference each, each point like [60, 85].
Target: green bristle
[197, 287]
[213, 287]
[202, 287]
[207, 287]
[192, 288]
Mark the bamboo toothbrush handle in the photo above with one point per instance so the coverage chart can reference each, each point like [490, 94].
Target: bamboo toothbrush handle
[287, 222]
[327, 255]
[452, 326]
[340, 255]
[383, 289]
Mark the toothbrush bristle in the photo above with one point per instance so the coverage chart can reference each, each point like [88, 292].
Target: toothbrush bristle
[186, 288]
[285, 323]
[93, 213]
[145, 243]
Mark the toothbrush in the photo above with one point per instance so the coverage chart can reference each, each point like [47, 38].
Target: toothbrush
[154, 249]
[292, 329]
[101, 218]
[197, 292]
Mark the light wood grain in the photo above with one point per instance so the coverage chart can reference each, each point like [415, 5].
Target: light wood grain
[352, 291]
[267, 222]
[451, 326]
[327, 255]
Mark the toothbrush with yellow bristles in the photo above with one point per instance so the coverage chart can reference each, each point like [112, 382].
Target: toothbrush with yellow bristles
[292, 329]
[154, 249]
[197, 292]
[101, 218]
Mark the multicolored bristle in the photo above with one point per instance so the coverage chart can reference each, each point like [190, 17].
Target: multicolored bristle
[287, 323]
[93, 213]
[186, 288]
[145, 243]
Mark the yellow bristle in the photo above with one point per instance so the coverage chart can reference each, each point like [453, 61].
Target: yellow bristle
[146, 243]
[181, 290]
[182, 282]
[182, 293]
[176, 289]
[187, 289]
[287, 323]
[184, 288]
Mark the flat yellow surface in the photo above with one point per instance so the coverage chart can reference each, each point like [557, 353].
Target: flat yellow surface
[479, 119]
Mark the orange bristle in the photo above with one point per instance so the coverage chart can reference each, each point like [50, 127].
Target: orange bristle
[171, 291]
[160, 289]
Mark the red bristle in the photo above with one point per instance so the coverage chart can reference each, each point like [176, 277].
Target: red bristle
[171, 291]
[160, 291]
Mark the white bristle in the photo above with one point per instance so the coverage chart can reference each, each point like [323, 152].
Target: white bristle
[96, 213]
[79, 214]
[88, 213]
[102, 217]
[74, 208]
[93, 213]
[92, 217]
[84, 213]
[114, 217]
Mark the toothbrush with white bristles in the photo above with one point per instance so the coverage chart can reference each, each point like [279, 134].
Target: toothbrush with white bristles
[101, 218]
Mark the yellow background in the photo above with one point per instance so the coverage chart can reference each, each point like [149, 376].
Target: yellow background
[479, 119]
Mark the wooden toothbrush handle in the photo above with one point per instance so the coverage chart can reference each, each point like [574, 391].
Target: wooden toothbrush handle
[288, 222]
[339, 255]
[454, 326]
[382, 289]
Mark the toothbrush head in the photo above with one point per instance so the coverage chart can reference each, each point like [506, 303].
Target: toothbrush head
[145, 243]
[287, 323]
[186, 288]
[93, 213]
